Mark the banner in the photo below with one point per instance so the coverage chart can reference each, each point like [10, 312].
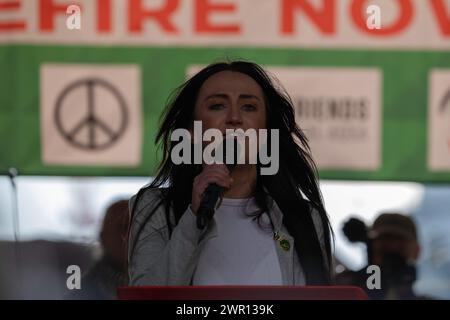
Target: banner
[83, 83]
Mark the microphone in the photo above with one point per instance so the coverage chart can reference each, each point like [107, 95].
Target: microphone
[12, 174]
[212, 193]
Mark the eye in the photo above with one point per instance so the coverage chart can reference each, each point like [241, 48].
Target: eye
[216, 106]
[249, 107]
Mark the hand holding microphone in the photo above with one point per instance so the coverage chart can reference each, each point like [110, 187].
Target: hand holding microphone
[212, 181]
[212, 174]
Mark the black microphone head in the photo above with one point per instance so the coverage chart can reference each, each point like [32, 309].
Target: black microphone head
[355, 230]
[12, 173]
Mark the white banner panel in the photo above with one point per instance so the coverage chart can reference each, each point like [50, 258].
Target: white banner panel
[91, 114]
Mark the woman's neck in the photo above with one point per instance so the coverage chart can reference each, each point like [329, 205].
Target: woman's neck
[244, 182]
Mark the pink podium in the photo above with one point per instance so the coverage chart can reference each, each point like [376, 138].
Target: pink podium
[241, 293]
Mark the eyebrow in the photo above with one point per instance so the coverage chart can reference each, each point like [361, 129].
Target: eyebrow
[225, 96]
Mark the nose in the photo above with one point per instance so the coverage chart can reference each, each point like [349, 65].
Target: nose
[234, 116]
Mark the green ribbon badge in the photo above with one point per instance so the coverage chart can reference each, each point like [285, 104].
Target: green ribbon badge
[285, 245]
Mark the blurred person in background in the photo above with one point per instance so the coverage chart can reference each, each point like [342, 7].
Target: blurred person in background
[110, 271]
[392, 245]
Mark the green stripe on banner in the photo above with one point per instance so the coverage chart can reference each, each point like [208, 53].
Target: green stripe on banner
[405, 83]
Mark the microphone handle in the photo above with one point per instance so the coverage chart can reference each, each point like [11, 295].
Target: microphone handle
[206, 209]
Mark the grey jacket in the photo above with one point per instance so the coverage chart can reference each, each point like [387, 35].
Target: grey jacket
[154, 259]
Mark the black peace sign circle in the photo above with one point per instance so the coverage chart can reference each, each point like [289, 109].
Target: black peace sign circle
[91, 121]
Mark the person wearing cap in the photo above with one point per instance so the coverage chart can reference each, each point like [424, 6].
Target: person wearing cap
[393, 246]
[394, 234]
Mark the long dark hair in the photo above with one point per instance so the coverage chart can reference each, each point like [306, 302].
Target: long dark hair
[297, 173]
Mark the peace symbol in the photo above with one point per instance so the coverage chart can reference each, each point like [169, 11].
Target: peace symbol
[93, 122]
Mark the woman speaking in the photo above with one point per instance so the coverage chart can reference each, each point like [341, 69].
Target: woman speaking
[266, 229]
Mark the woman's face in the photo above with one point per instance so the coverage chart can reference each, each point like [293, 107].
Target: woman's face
[230, 100]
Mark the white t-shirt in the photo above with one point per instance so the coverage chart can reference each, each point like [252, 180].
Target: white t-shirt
[243, 253]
